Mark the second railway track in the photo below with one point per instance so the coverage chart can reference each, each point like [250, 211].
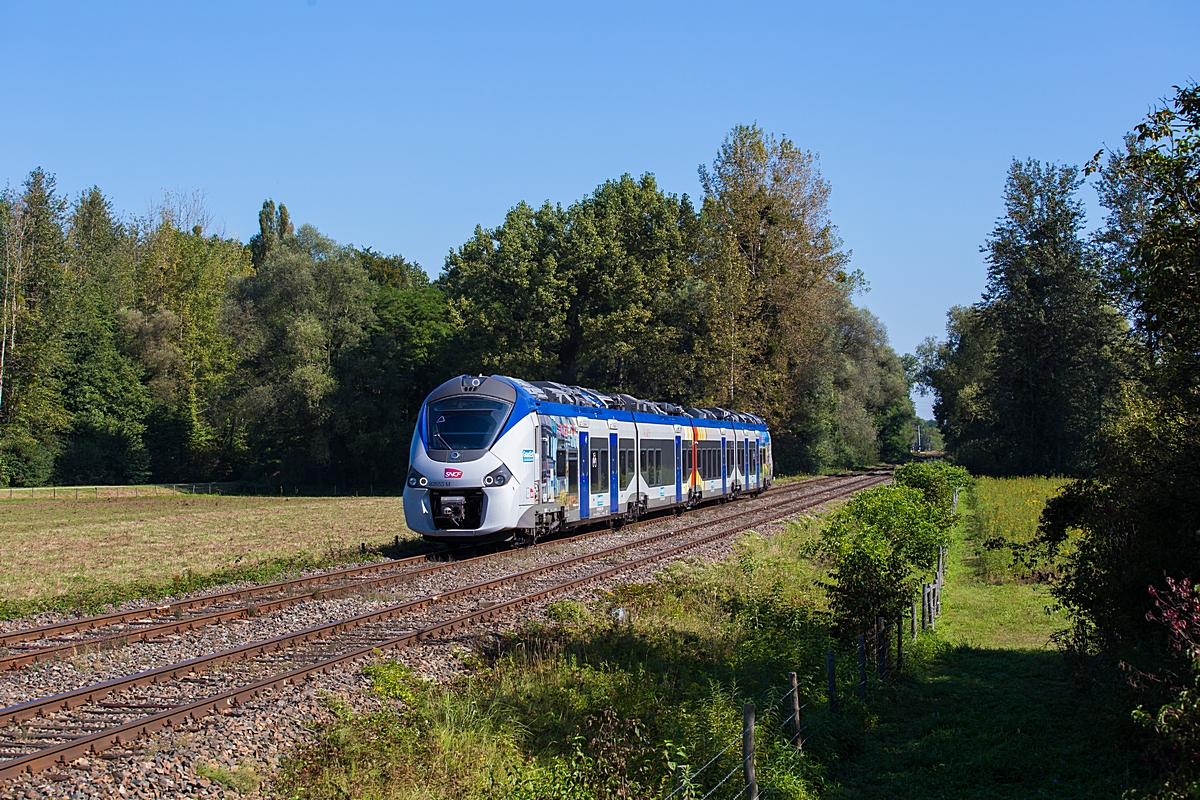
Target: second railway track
[20, 648]
[48, 730]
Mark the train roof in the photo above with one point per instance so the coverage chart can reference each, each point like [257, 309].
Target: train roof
[551, 392]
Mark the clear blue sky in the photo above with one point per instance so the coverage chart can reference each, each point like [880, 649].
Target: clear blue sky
[402, 126]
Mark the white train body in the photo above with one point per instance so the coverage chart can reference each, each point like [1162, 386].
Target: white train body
[497, 457]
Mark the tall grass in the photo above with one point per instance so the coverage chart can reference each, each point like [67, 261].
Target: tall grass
[1004, 515]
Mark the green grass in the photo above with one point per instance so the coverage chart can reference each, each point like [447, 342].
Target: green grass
[1003, 515]
[991, 710]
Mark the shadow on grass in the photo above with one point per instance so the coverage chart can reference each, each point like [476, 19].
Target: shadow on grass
[991, 723]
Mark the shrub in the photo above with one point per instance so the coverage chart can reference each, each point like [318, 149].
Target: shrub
[882, 542]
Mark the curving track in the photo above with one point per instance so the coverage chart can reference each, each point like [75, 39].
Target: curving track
[47, 730]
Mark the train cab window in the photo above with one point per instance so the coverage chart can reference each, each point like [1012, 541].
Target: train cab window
[573, 473]
[465, 423]
[598, 473]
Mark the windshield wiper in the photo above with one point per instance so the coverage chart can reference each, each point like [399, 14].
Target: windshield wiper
[438, 434]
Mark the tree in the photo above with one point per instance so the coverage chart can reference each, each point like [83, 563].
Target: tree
[1029, 373]
[31, 408]
[1135, 520]
[102, 387]
[508, 295]
[274, 228]
[307, 307]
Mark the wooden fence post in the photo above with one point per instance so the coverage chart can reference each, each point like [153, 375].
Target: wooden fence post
[913, 615]
[862, 666]
[796, 712]
[880, 647]
[748, 751]
[899, 644]
[831, 668]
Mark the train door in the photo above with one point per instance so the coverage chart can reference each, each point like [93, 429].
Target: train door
[678, 469]
[724, 464]
[546, 484]
[585, 489]
[614, 484]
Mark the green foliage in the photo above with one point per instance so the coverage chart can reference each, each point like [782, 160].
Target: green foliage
[882, 543]
[149, 349]
[938, 482]
[1026, 376]
[1135, 519]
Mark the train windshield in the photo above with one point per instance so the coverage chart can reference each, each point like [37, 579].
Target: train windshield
[465, 423]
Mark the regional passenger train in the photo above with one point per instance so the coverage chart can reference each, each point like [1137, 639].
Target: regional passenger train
[495, 458]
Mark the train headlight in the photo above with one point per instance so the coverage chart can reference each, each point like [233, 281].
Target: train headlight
[416, 479]
[498, 477]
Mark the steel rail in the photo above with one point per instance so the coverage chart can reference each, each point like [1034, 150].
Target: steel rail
[76, 697]
[34, 655]
[130, 731]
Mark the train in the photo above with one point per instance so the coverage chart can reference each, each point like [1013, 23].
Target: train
[496, 458]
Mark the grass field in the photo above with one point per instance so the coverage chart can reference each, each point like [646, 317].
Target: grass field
[992, 711]
[84, 553]
[1005, 510]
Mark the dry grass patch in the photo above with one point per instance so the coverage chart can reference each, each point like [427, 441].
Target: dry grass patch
[78, 552]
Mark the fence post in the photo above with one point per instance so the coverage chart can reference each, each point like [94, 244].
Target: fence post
[880, 647]
[76, 492]
[831, 668]
[748, 751]
[118, 491]
[680, 779]
[862, 666]
[135, 494]
[899, 644]
[913, 615]
[796, 712]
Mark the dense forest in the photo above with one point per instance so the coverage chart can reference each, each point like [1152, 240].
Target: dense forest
[1083, 358]
[153, 349]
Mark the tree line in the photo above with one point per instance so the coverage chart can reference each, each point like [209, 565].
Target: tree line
[1083, 359]
[151, 348]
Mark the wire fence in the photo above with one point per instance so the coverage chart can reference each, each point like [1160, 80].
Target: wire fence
[783, 729]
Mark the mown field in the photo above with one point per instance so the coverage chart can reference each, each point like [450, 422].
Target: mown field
[85, 553]
[583, 707]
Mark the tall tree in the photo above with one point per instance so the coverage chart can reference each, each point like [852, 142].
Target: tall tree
[102, 387]
[508, 293]
[1029, 373]
[31, 408]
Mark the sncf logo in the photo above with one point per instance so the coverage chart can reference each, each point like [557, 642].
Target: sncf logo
[453, 473]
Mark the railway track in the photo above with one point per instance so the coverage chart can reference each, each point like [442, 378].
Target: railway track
[59, 728]
[21, 648]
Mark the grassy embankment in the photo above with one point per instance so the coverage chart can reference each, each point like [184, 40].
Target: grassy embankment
[82, 554]
[583, 707]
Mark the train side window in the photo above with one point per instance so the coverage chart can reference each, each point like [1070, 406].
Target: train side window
[658, 470]
[573, 473]
[626, 463]
[598, 475]
[560, 464]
